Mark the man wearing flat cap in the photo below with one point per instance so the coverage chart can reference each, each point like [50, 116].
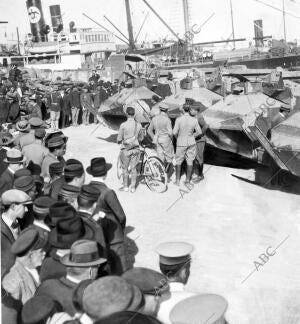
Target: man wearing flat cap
[36, 151]
[160, 130]
[57, 149]
[13, 207]
[82, 263]
[174, 263]
[15, 160]
[29, 138]
[23, 279]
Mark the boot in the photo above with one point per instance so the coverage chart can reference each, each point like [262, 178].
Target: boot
[125, 183]
[178, 171]
[188, 183]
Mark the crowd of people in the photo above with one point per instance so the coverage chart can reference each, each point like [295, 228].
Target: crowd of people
[64, 257]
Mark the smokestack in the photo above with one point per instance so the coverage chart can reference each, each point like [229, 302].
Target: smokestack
[56, 18]
[258, 33]
[38, 27]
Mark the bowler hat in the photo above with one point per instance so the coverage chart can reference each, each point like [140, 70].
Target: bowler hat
[6, 139]
[39, 133]
[38, 309]
[21, 173]
[14, 156]
[98, 167]
[60, 210]
[128, 317]
[70, 229]
[83, 253]
[24, 183]
[22, 126]
[72, 161]
[110, 294]
[29, 240]
[149, 281]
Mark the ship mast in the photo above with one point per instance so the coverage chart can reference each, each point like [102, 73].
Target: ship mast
[129, 26]
[284, 27]
[232, 24]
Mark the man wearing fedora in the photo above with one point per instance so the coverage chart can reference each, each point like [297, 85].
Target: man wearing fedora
[23, 128]
[65, 107]
[15, 160]
[36, 151]
[22, 280]
[82, 262]
[114, 221]
[13, 208]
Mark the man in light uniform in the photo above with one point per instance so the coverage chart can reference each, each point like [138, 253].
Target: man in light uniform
[185, 130]
[174, 263]
[160, 130]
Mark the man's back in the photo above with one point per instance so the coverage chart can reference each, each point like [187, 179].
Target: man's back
[184, 129]
[162, 125]
[129, 130]
[35, 152]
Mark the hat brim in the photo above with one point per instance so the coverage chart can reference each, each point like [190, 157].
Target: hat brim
[65, 260]
[14, 162]
[99, 174]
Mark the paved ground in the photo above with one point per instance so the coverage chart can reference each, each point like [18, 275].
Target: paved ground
[230, 222]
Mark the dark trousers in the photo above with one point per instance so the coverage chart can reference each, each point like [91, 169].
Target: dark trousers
[117, 258]
[64, 120]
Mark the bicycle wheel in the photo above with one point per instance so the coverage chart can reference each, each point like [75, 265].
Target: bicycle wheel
[155, 174]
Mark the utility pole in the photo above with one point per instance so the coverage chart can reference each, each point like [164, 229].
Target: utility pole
[284, 27]
[232, 24]
[129, 25]
[18, 37]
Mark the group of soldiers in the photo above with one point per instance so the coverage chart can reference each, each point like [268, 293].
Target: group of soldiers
[188, 133]
[63, 251]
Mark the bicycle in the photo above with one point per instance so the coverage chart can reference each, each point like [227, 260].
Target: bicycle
[151, 169]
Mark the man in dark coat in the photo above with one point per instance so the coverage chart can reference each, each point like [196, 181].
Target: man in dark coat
[82, 263]
[55, 104]
[14, 107]
[66, 108]
[4, 106]
[75, 105]
[113, 219]
[13, 208]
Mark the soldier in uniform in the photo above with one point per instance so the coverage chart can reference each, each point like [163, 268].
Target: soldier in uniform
[130, 151]
[200, 143]
[55, 107]
[185, 130]
[160, 130]
[174, 263]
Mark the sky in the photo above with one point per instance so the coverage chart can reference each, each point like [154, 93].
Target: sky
[217, 28]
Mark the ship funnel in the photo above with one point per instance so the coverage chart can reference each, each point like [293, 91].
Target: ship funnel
[39, 29]
[56, 18]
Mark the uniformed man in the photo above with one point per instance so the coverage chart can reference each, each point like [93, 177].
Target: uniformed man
[57, 149]
[174, 263]
[185, 130]
[160, 130]
[130, 151]
[55, 107]
[200, 144]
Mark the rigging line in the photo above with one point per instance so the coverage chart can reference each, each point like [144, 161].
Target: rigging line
[278, 9]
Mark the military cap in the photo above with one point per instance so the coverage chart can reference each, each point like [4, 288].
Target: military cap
[172, 253]
[72, 161]
[130, 111]
[40, 132]
[21, 173]
[128, 317]
[35, 121]
[56, 141]
[56, 168]
[29, 240]
[22, 126]
[38, 309]
[69, 191]
[89, 192]
[206, 308]
[14, 156]
[24, 183]
[73, 170]
[163, 106]
[110, 294]
[15, 196]
[149, 281]
[41, 205]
